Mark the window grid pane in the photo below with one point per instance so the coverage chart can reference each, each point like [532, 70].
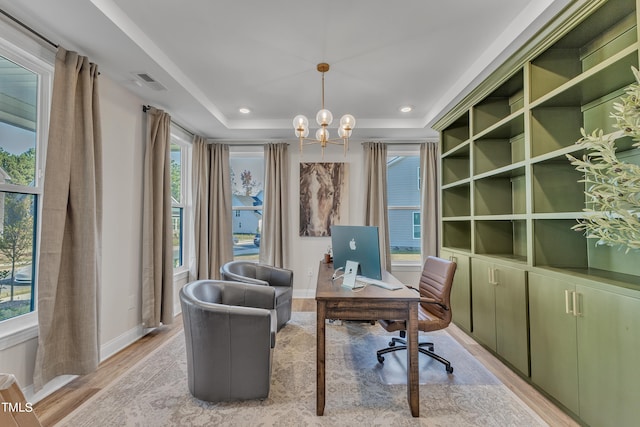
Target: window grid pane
[247, 183]
[403, 194]
[17, 243]
[19, 191]
[178, 233]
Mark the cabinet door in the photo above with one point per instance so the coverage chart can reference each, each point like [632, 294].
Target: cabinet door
[460, 291]
[511, 316]
[608, 362]
[552, 326]
[484, 303]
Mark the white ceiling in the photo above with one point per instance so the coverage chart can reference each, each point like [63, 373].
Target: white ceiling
[214, 57]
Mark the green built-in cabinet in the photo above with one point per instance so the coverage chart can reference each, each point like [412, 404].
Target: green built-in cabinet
[509, 200]
[499, 295]
[461, 290]
[584, 348]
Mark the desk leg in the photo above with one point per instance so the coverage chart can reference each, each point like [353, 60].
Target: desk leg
[413, 379]
[320, 357]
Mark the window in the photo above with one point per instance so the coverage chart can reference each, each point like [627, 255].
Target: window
[247, 188]
[180, 166]
[403, 205]
[24, 102]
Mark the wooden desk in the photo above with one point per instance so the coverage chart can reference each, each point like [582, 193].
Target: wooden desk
[335, 302]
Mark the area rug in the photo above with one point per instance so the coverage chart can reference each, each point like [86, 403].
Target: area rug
[360, 391]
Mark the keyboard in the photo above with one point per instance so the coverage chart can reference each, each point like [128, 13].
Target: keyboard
[368, 281]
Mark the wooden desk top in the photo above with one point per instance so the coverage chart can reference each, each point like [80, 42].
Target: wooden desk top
[328, 290]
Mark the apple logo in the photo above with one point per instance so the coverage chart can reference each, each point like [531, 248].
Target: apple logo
[352, 244]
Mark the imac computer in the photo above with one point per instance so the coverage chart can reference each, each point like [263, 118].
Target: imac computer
[357, 243]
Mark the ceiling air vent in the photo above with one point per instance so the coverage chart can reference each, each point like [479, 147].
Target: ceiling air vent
[150, 81]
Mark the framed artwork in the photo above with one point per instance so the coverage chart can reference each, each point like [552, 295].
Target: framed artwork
[323, 197]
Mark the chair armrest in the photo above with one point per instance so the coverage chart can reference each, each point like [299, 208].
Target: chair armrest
[275, 276]
[227, 275]
[424, 300]
[249, 295]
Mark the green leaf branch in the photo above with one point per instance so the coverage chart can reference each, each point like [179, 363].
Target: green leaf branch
[612, 185]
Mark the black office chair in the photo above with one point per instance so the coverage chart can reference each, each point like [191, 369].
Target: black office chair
[434, 311]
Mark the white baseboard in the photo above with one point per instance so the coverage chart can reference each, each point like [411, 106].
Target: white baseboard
[124, 340]
[48, 388]
[106, 350]
[304, 293]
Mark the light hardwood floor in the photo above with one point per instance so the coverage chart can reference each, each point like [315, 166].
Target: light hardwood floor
[53, 408]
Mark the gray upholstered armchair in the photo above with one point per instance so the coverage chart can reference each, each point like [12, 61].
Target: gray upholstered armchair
[280, 279]
[230, 331]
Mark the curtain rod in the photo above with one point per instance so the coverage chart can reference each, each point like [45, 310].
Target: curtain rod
[145, 108]
[28, 28]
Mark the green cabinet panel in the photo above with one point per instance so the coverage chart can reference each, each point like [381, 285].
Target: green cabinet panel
[511, 316]
[460, 291]
[584, 349]
[554, 351]
[608, 362]
[484, 303]
[499, 295]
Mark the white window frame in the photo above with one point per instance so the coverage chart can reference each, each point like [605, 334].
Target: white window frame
[183, 139]
[406, 150]
[30, 54]
[247, 151]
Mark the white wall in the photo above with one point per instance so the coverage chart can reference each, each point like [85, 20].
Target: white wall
[307, 252]
[120, 312]
[123, 130]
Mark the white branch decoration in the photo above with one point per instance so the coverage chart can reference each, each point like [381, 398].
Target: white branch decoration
[613, 186]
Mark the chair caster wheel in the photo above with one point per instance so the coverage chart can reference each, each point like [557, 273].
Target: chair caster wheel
[380, 359]
[449, 369]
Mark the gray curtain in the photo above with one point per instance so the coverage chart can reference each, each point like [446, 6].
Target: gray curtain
[429, 199]
[220, 222]
[375, 196]
[200, 183]
[157, 246]
[70, 246]
[275, 219]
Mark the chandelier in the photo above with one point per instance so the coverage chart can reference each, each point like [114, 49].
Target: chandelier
[324, 119]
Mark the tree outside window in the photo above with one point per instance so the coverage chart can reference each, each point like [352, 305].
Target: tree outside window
[247, 185]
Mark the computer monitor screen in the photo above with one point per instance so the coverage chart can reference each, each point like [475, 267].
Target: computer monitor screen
[357, 243]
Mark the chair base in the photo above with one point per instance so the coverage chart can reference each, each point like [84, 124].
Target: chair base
[423, 347]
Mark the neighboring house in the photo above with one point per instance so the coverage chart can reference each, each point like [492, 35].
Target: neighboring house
[403, 176]
[247, 221]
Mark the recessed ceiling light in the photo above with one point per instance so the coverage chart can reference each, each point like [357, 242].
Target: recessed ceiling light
[244, 110]
[406, 109]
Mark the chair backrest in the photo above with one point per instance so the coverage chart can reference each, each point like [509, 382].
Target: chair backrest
[240, 268]
[435, 283]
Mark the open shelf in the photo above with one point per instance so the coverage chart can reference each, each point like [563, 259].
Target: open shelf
[599, 37]
[456, 165]
[594, 84]
[456, 201]
[456, 235]
[501, 194]
[506, 238]
[554, 128]
[456, 133]
[500, 147]
[557, 245]
[556, 188]
[501, 103]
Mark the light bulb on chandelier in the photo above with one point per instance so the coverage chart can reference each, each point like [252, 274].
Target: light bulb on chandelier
[324, 118]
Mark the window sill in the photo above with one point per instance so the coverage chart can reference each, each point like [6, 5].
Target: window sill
[18, 330]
